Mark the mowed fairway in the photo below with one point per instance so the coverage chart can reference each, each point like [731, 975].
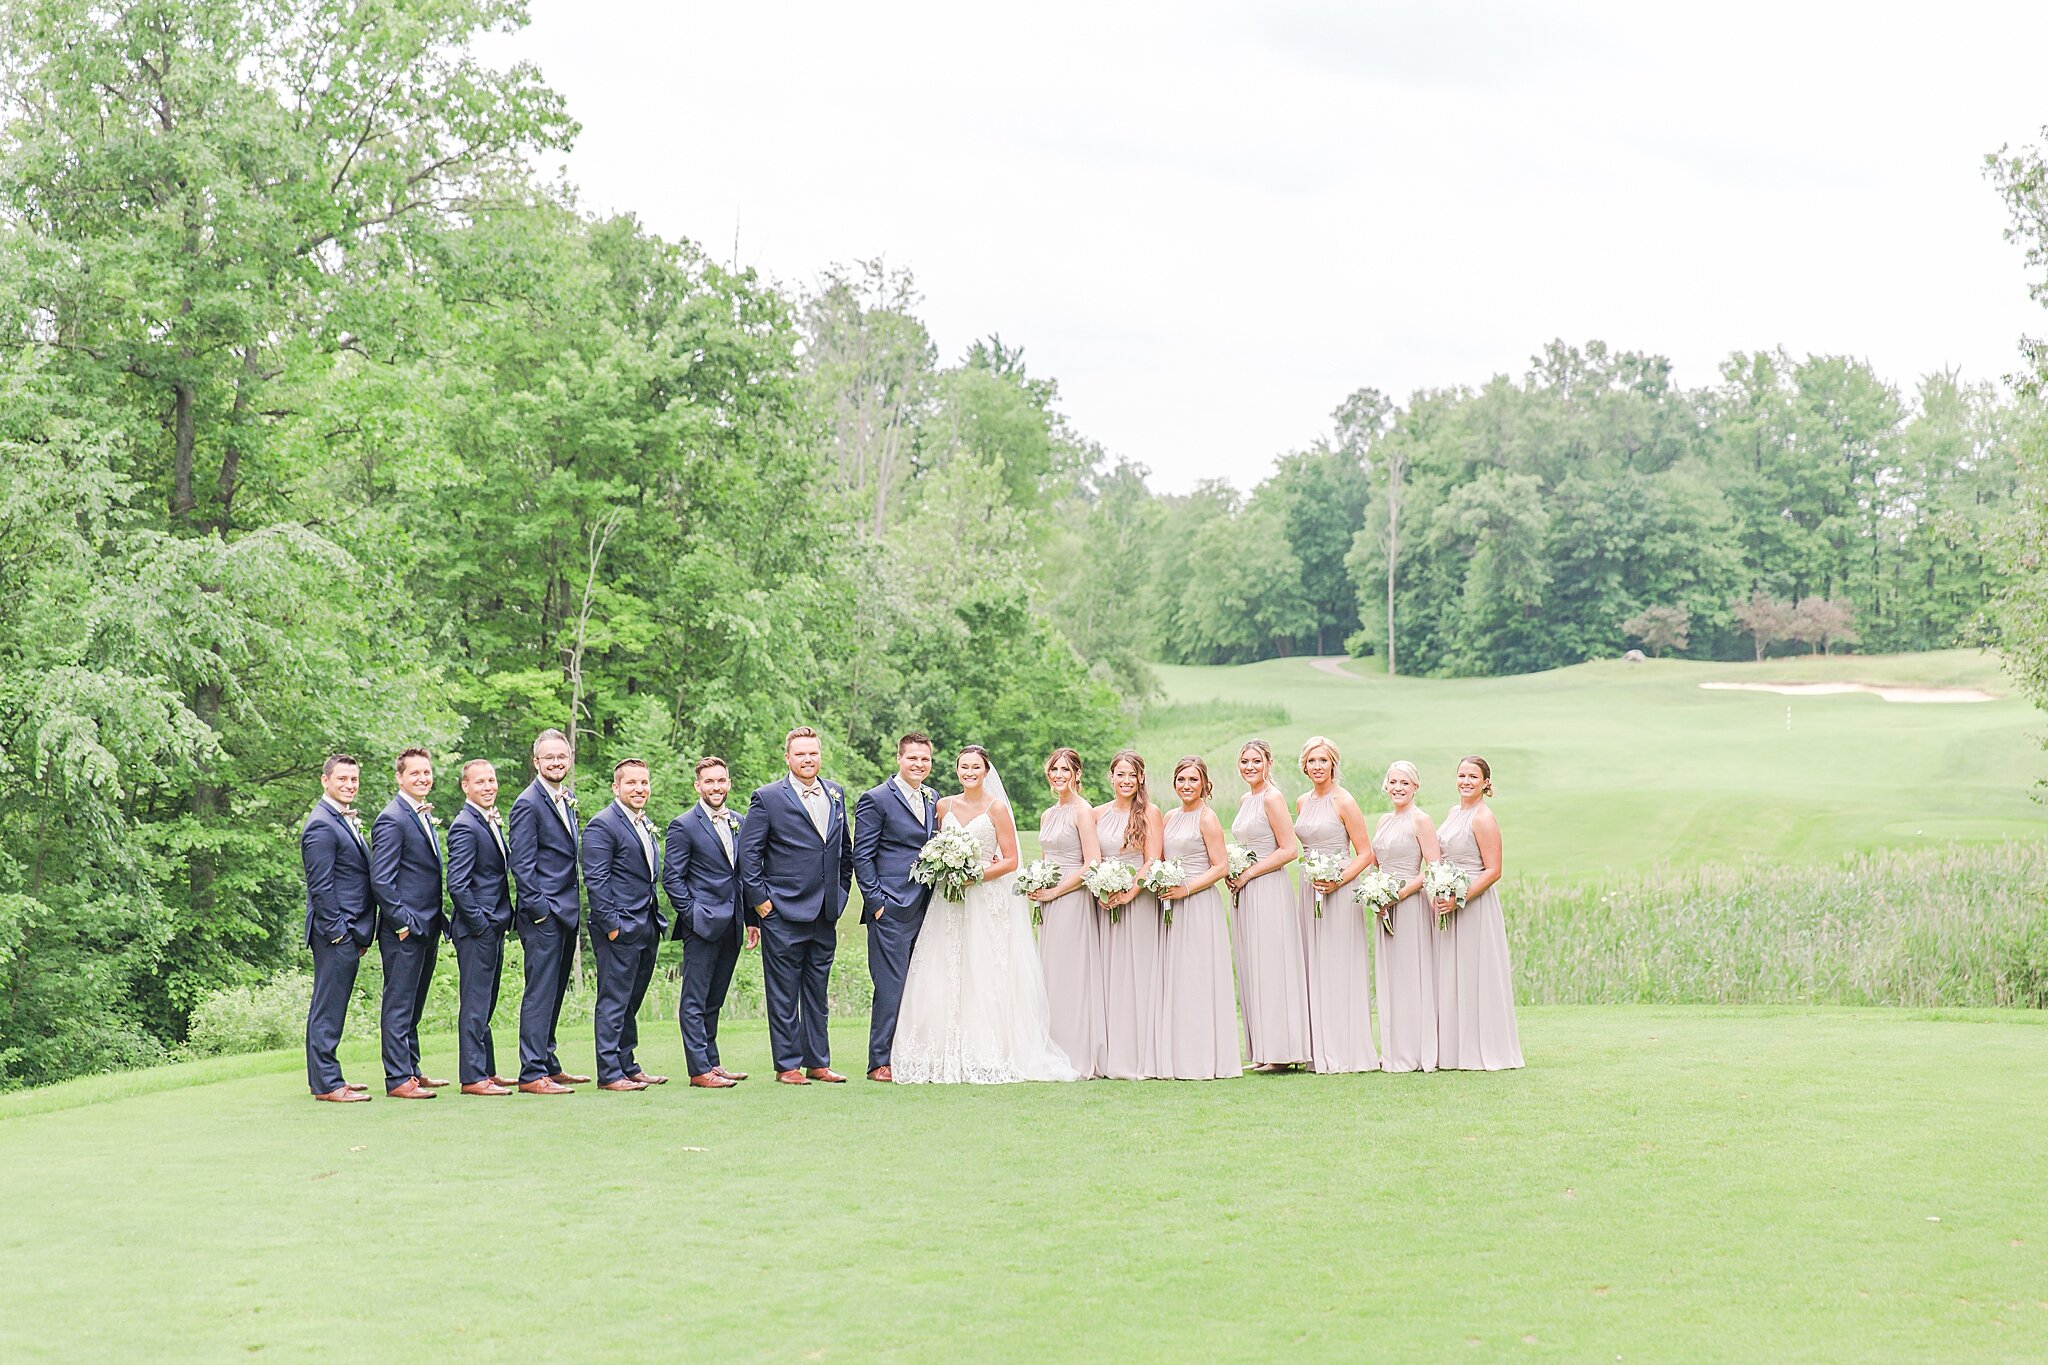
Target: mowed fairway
[1616, 766]
[1659, 1184]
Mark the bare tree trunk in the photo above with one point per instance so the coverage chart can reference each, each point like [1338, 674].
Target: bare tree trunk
[1396, 467]
[600, 536]
[184, 432]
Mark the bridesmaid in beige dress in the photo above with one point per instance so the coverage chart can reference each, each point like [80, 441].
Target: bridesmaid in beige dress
[1199, 1040]
[1338, 942]
[1406, 958]
[1271, 978]
[1070, 939]
[1475, 985]
[1131, 830]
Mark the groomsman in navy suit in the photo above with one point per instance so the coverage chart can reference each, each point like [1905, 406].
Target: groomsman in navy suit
[544, 852]
[621, 871]
[481, 893]
[341, 919]
[701, 876]
[796, 859]
[405, 874]
[890, 826]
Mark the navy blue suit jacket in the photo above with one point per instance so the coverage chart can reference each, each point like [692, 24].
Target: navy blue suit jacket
[405, 869]
[543, 858]
[477, 881]
[886, 841]
[783, 860]
[703, 886]
[618, 880]
[339, 902]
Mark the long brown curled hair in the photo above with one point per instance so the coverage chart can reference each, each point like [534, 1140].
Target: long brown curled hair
[1134, 833]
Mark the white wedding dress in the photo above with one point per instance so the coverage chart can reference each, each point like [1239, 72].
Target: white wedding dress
[974, 1007]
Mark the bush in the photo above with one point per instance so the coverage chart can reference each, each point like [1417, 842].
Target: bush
[256, 1018]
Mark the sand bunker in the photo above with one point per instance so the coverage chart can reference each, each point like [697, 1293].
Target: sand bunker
[1831, 689]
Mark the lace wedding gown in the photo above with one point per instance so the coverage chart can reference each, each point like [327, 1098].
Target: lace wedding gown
[974, 1007]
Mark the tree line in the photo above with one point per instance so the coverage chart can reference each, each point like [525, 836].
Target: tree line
[326, 424]
[1593, 505]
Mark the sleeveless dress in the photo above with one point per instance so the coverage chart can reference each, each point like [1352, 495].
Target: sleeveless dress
[974, 1005]
[1475, 984]
[1271, 978]
[1339, 951]
[1131, 966]
[1199, 1038]
[1070, 950]
[1406, 958]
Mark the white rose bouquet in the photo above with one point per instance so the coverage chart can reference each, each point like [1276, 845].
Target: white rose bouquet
[1164, 875]
[1107, 877]
[1042, 874]
[1445, 881]
[949, 863]
[1323, 867]
[1377, 890]
[1237, 861]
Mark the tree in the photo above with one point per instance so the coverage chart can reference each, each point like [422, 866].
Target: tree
[1822, 623]
[1661, 629]
[1765, 619]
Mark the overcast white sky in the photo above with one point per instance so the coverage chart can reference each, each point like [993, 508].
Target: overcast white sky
[1211, 222]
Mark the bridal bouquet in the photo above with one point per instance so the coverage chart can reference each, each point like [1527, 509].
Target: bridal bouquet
[1164, 875]
[1377, 889]
[949, 863]
[1041, 875]
[1323, 867]
[1445, 880]
[1107, 877]
[1238, 861]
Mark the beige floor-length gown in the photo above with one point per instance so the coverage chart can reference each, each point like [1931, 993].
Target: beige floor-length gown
[1338, 946]
[1198, 1040]
[1405, 960]
[1070, 950]
[1475, 983]
[1131, 965]
[1272, 980]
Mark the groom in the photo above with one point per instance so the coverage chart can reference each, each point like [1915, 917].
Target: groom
[796, 863]
[890, 826]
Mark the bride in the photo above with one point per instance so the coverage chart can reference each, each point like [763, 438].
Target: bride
[974, 1005]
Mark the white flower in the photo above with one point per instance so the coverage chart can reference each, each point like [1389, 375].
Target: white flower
[1445, 880]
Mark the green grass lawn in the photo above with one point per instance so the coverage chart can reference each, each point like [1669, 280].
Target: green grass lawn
[1659, 1184]
[1615, 766]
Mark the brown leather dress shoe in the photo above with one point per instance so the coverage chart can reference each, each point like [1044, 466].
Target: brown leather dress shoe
[730, 1075]
[623, 1083]
[569, 1078]
[411, 1090]
[509, 1084]
[543, 1086]
[345, 1095]
[881, 1073]
[791, 1078]
[649, 1078]
[711, 1080]
[431, 1085]
[826, 1074]
[484, 1088]
[356, 1086]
